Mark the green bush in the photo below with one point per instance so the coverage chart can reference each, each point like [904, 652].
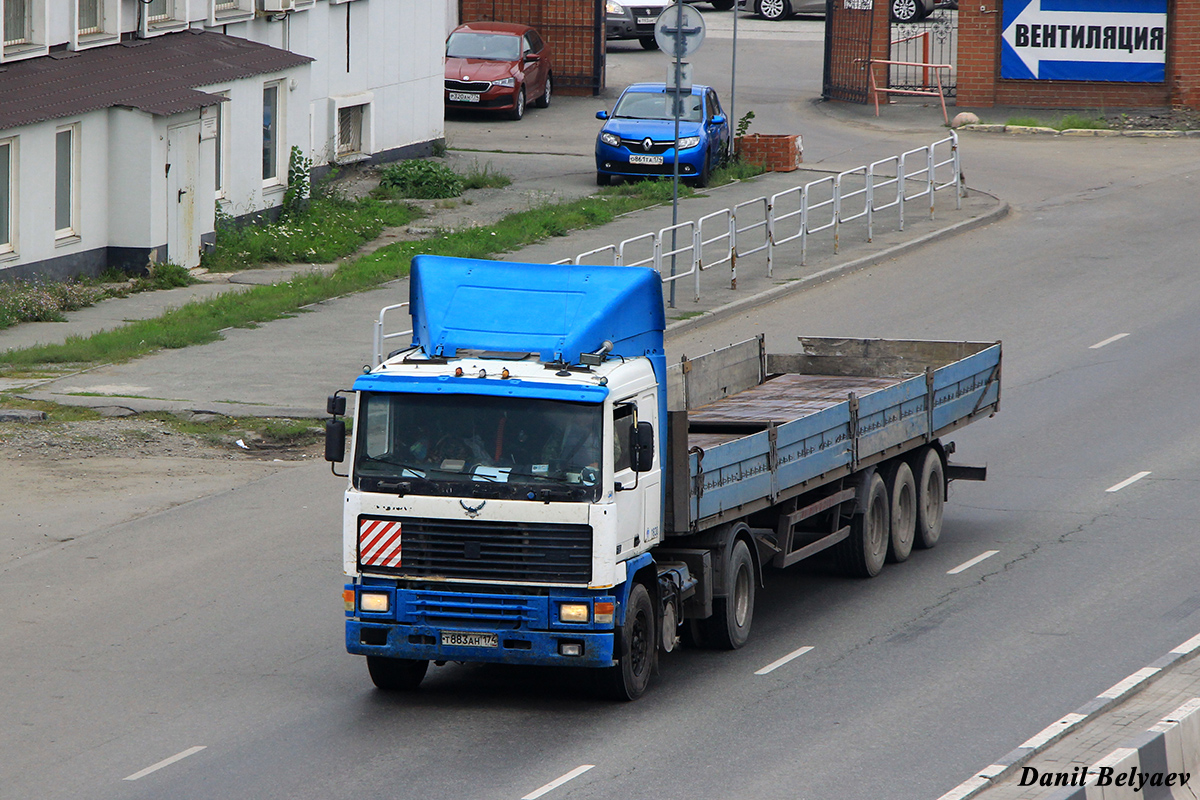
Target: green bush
[421, 179]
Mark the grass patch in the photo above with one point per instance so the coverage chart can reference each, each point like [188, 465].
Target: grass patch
[200, 322]
[485, 177]
[326, 229]
[35, 301]
[735, 170]
[1070, 121]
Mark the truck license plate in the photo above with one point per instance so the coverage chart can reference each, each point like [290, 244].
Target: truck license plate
[635, 158]
[463, 97]
[463, 639]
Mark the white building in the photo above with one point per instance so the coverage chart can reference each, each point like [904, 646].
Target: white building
[123, 123]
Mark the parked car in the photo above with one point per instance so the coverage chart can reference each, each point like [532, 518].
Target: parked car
[497, 66]
[718, 5]
[633, 20]
[638, 137]
[910, 10]
[781, 9]
[900, 10]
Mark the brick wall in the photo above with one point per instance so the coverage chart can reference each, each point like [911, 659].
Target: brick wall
[979, 83]
[574, 29]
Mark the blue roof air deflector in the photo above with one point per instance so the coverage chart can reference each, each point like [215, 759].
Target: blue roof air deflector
[557, 311]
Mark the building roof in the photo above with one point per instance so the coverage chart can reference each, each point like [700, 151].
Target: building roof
[157, 75]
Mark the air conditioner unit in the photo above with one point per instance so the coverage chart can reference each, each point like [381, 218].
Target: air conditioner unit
[278, 6]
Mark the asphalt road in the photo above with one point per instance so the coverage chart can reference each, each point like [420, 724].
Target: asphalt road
[218, 624]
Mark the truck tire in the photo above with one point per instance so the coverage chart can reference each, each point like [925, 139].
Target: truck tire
[729, 626]
[902, 494]
[931, 496]
[636, 646]
[396, 674]
[862, 554]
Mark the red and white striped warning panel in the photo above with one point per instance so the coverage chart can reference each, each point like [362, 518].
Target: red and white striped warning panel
[379, 543]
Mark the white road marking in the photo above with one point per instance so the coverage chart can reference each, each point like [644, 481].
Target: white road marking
[166, 762]
[1109, 340]
[1127, 482]
[557, 782]
[1188, 646]
[966, 788]
[1130, 682]
[966, 565]
[1050, 731]
[774, 665]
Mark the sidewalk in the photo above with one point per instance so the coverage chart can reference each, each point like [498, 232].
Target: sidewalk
[288, 367]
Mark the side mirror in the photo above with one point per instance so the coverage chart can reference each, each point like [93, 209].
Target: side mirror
[642, 457]
[601, 115]
[335, 405]
[335, 440]
[718, 119]
[532, 57]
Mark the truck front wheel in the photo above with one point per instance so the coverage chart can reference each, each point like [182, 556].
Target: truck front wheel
[729, 626]
[630, 677]
[396, 674]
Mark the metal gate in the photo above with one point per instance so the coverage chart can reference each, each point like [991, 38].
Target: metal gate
[933, 40]
[848, 27]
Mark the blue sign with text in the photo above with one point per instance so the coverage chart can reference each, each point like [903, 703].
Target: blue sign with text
[1084, 40]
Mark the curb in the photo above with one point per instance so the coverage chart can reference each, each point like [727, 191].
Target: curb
[829, 273]
[1104, 701]
[1028, 130]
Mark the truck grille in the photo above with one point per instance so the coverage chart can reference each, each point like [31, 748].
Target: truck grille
[441, 609]
[493, 551]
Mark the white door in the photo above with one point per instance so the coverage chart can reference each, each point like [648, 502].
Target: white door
[183, 169]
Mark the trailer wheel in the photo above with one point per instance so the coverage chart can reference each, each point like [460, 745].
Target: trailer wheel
[729, 626]
[931, 496]
[862, 554]
[630, 677]
[902, 492]
[396, 674]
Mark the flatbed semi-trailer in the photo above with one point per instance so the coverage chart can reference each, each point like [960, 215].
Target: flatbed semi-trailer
[530, 483]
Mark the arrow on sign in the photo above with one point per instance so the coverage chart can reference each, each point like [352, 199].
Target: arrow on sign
[1073, 42]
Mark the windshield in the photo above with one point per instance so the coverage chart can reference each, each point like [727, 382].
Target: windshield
[489, 46]
[656, 105]
[478, 446]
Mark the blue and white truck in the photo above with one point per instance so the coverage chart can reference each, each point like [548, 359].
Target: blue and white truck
[531, 483]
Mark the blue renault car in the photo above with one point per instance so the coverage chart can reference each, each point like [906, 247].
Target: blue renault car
[638, 137]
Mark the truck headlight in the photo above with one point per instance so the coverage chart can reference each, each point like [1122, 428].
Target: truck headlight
[610, 139]
[573, 612]
[688, 141]
[373, 602]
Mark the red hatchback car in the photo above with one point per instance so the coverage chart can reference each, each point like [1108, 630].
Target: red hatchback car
[497, 66]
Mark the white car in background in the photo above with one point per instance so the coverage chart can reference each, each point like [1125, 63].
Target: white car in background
[633, 20]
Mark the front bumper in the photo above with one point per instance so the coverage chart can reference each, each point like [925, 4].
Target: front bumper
[615, 161]
[627, 28]
[497, 98]
[526, 627]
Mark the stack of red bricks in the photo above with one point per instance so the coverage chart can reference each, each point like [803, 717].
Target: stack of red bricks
[776, 152]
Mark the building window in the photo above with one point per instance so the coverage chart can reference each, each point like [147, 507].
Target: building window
[226, 5]
[222, 143]
[18, 18]
[65, 177]
[158, 10]
[271, 133]
[91, 17]
[7, 194]
[350, 130]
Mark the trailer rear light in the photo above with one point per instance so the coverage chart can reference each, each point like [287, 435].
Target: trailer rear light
[604, 613]
[348, 599]
[373, 602]
[573, 612]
